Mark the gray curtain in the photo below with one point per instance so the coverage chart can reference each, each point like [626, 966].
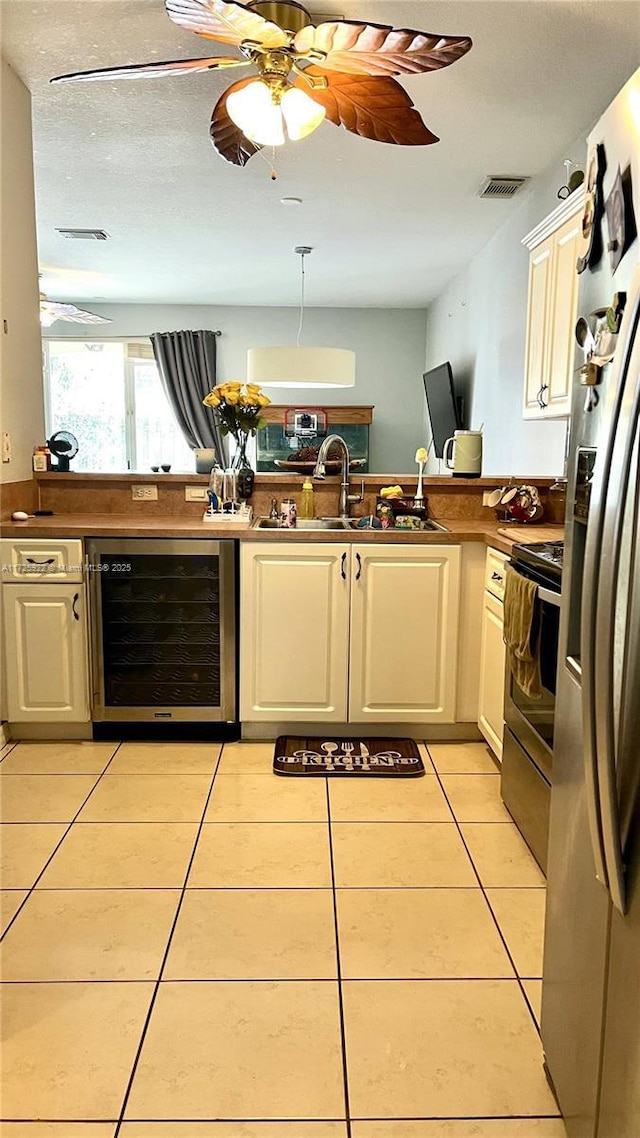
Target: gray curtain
[187, 365]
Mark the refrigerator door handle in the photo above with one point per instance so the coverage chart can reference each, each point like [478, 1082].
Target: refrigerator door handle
[608, 732]
[591, 568]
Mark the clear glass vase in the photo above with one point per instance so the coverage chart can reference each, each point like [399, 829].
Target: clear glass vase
[240, 459]
[240, 463]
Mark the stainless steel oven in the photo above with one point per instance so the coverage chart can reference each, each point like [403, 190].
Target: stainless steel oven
[527, 760]
[163, 643]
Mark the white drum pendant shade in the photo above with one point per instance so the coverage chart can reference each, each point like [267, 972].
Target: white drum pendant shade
[301, 367]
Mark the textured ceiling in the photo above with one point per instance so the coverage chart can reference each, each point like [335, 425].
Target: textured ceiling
[390, 225]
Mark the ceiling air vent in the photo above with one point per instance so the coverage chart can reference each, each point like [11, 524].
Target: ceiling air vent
[501, 186]
[84, 234]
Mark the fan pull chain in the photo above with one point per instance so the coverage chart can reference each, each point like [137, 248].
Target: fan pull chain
[270, 162]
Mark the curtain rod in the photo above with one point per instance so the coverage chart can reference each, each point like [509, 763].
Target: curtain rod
[147, 336]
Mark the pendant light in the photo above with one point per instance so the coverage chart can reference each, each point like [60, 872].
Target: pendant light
[295, 366]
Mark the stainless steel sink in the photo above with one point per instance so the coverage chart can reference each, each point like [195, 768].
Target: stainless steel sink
[304, 523]
[427, 526]
[338, 524]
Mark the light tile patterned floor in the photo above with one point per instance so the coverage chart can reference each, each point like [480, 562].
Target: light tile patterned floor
[195, 948]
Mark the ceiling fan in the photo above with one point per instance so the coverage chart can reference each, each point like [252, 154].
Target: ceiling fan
[52, 310]
[342, 70]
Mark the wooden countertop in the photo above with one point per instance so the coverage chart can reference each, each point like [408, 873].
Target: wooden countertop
[493, 533]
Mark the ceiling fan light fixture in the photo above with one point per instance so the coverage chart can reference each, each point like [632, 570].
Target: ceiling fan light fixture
[301, 114]
[259, 117]
[268, 111]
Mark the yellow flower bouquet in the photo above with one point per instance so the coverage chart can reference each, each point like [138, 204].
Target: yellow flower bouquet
[238, 408]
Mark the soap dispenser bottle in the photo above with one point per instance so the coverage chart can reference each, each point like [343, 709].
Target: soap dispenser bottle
[306, 507]
[214, 492]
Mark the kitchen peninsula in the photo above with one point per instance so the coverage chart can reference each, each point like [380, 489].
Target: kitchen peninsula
[84, 503]
[347, 626]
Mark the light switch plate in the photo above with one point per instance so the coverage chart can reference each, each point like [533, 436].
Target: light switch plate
[144, 493]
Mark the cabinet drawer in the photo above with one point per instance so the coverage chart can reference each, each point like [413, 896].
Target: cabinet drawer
[494, 572]
[41, 559]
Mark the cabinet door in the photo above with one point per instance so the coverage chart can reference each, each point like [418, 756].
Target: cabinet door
[562, 319]
[537, 347]
[46, 653]
[492, 670]
[404, 633]
[294, 632]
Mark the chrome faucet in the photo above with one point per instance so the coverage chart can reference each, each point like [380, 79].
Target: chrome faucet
[319, 471]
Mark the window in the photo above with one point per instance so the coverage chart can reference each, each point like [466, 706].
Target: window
[108, 393]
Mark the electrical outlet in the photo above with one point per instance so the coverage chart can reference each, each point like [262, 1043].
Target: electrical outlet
[485, 497]
[195, 493]
[144, 493]
[6, 446]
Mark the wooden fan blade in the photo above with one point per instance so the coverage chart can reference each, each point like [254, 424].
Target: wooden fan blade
[373, 107]
[154, 70]
[229, 23]
[227, 138]
[377, 49]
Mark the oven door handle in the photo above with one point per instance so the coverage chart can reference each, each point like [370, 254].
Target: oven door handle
[614, 517]
[549, 596]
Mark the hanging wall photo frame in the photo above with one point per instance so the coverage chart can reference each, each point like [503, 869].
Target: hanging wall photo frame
[621, 222]
[614, 209]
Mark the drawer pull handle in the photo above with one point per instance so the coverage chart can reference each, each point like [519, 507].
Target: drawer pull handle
[359, 560]
[496, 577]
[343, 562]
[47, 561]
[74, 610]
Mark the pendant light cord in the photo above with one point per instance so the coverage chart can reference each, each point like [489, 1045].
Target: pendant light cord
[302, 257]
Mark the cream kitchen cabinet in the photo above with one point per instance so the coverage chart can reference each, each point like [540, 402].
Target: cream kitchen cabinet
[404, 633]
[552, 310]
[45, 631]
[294, 632]
[338, 633]
[46, 653]
[492, 654]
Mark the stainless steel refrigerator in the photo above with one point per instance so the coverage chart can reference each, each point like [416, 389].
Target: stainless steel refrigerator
[591, 975]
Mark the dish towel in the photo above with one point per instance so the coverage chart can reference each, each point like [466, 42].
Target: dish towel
[522, 632]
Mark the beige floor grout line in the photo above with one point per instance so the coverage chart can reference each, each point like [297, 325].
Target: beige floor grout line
[343, 1034]
[165, 956]
[493, 916]
[59, 843]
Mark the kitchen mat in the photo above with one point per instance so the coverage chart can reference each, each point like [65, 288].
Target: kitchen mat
[355, 757]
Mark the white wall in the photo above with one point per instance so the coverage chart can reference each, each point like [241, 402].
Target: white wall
[389, 347]
[21, 410]
[478, 324]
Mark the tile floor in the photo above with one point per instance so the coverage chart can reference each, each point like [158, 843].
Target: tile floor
[196, 948]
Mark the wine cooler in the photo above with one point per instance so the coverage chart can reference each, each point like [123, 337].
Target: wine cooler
[163, 630]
